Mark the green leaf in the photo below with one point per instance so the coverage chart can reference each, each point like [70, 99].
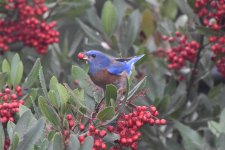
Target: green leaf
[25, 122]
[43, 84]
[215, 128]
[32, 135]
[74, 143]
[139, 86]
[53, 83]
[48, 112]
[3, 79]
[88, 143]
[5, 66]
[111, 137]
[16, 72]
[58, 142]
[33, 75]
[130, 31]
[75, 98]
[22, 110]
[169, 9]
[106, 114]
[63, 94]
[85, 83]
[2, 137]
[220, 142]
[10, 128]
[191, 139]
[111, 93]
[147, 24]
[109, 17]
[15, 141]
[53, 98]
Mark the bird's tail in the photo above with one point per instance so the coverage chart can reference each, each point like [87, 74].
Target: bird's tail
[132, 61]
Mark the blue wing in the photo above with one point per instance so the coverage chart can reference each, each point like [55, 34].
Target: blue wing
[117, 68]
[123, 64]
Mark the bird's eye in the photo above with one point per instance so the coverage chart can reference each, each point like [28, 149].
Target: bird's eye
[93, 55]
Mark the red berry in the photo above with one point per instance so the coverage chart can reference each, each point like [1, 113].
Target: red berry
[102, 133]
[162, 121]
[71, 123]
[69, 117]
[81, 126]
[14, 96]
[81, 138]
[81, 55]
[110, 128]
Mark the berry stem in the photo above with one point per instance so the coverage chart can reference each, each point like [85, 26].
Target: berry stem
[193, 73]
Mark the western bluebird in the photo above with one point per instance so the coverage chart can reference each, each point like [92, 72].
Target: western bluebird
[105, 69]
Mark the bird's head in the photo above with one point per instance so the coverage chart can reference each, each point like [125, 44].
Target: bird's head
[96, 59]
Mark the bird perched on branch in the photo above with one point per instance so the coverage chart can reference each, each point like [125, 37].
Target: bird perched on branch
[105, 69]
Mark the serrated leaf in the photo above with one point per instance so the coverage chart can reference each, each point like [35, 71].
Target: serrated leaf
[63, 94]
[53, 98]
[48, 112]
[58, 142]
[74, 143]
[109, 17]
[111, 93]
[191, 139]
[2, 137]
[15, 141]
[106, 114]
[43, 84]
[32, 135]
[33, 75]
[53, 83]
[88, 143]
[75, 98]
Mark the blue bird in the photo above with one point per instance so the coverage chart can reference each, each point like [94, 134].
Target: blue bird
[105, 69]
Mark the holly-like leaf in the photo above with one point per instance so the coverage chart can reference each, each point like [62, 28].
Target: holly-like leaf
[63, 94]
[33, 75]
[48, 112]
[147, 24]
[5, 66]
[106, 114]
[109, 17]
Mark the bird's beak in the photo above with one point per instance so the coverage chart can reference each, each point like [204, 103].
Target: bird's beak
[82, 56]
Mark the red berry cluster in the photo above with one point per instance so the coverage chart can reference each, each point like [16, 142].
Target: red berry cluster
[182, 52]
[98, 135]
[29, 27]
[212, 12]
[9, 103]
[128, 125]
